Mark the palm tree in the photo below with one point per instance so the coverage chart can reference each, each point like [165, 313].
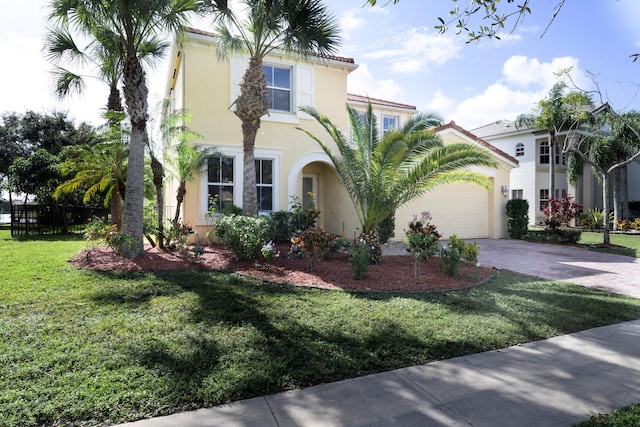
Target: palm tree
[135, 25]
[101, 169]
[556, 113]
[298, 27]
[381, 175]
[185, 163]
[608, 153]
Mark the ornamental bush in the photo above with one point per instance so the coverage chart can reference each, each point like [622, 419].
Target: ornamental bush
[314, 243]
[244, 236]
[559, 212]
[421, 240]
[517, 217]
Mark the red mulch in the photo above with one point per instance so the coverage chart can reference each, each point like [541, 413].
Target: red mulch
[395, 273]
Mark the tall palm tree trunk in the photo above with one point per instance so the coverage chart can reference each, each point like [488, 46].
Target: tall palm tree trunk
[135, 93]
[158, 177]
[552, 165]
[182, 190]
[251, 105]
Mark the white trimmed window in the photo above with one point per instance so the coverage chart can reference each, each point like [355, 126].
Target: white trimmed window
[517, 194]
[519, 149]
[264, 181]
[544, 198]
[389, 123]
[220, 181]
[544, 153]
[278, 87]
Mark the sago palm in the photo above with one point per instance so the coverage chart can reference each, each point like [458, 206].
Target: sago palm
[297, 27]
[382, 174]
[134, 24]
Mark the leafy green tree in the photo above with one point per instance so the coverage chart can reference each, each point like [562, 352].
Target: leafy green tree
[35, 175]
[135, 24]
[558, 112]
[382, 174]
[608, 151]
[298, 27]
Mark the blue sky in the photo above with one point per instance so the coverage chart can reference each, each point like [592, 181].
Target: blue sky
[401, 58]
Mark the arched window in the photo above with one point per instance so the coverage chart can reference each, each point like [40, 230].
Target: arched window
[519, 149]
[544, 153]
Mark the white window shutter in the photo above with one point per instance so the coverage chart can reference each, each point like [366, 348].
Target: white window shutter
[304, 88]
[237, 67]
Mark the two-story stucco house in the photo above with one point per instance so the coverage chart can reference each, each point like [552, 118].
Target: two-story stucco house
[530, 180]
[288, 162]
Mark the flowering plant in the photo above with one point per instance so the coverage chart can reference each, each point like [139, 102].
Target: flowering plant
[421, 240]
[559, 212]
[269, 252]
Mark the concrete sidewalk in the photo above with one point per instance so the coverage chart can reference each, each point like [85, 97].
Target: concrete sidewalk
[554, 382]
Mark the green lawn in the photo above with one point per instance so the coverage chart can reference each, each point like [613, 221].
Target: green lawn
[83, 348]
[631, 243]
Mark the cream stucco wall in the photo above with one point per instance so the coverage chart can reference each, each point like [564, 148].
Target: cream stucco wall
[204, 86]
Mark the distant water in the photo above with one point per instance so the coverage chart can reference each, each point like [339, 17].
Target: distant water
[5, 218]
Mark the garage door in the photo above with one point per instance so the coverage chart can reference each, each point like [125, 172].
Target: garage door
[460, 209]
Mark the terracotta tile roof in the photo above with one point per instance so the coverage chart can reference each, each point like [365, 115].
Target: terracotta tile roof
[366, 99]
[453, 125]
[330, 57]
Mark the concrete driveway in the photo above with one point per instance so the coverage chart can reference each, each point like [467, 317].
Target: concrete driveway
[613, 273]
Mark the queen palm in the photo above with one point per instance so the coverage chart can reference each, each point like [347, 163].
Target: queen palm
[299, 27]
[134, 24]
[382, 174]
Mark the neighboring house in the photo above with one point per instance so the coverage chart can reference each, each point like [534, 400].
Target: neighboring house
[530, 180]
[289, 163]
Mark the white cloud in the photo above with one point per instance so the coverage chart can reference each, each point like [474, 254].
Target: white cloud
[362, 82]
[351, 21]
[440, 104]
[524, 71]
[415, 49]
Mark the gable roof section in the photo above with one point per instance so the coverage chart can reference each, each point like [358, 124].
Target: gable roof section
[198, 32]
[359, 99]
[453, 126]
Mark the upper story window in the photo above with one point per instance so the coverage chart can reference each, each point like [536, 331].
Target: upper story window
[544, 153]
[278, 87]
[519, 149]
[389, 123]
[560, 156]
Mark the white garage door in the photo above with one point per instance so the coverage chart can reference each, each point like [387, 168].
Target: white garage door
[460, 209]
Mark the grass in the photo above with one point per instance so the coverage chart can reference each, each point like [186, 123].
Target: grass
[630, 243]
[624, 417]
[85, 348]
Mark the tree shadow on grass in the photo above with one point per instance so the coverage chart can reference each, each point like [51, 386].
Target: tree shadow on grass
[230, 338]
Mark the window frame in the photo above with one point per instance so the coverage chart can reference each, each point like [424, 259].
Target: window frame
[543, 202]
[260, 184]
[519, 149]
[517, 194]
[544, 152]
[386, 129]
[221, 183]
[274, 87]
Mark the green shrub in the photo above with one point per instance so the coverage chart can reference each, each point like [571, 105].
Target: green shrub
[517, 217]
[281, 226]
[242, 235]
[559, 236]
[98, 230]
[421, 240]
[314, 243]
[468, 251]
[269, 252]
[386, 228]
[359, 254]
[450, 260]
[593, 219]
[231, 209]
[304, 217]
